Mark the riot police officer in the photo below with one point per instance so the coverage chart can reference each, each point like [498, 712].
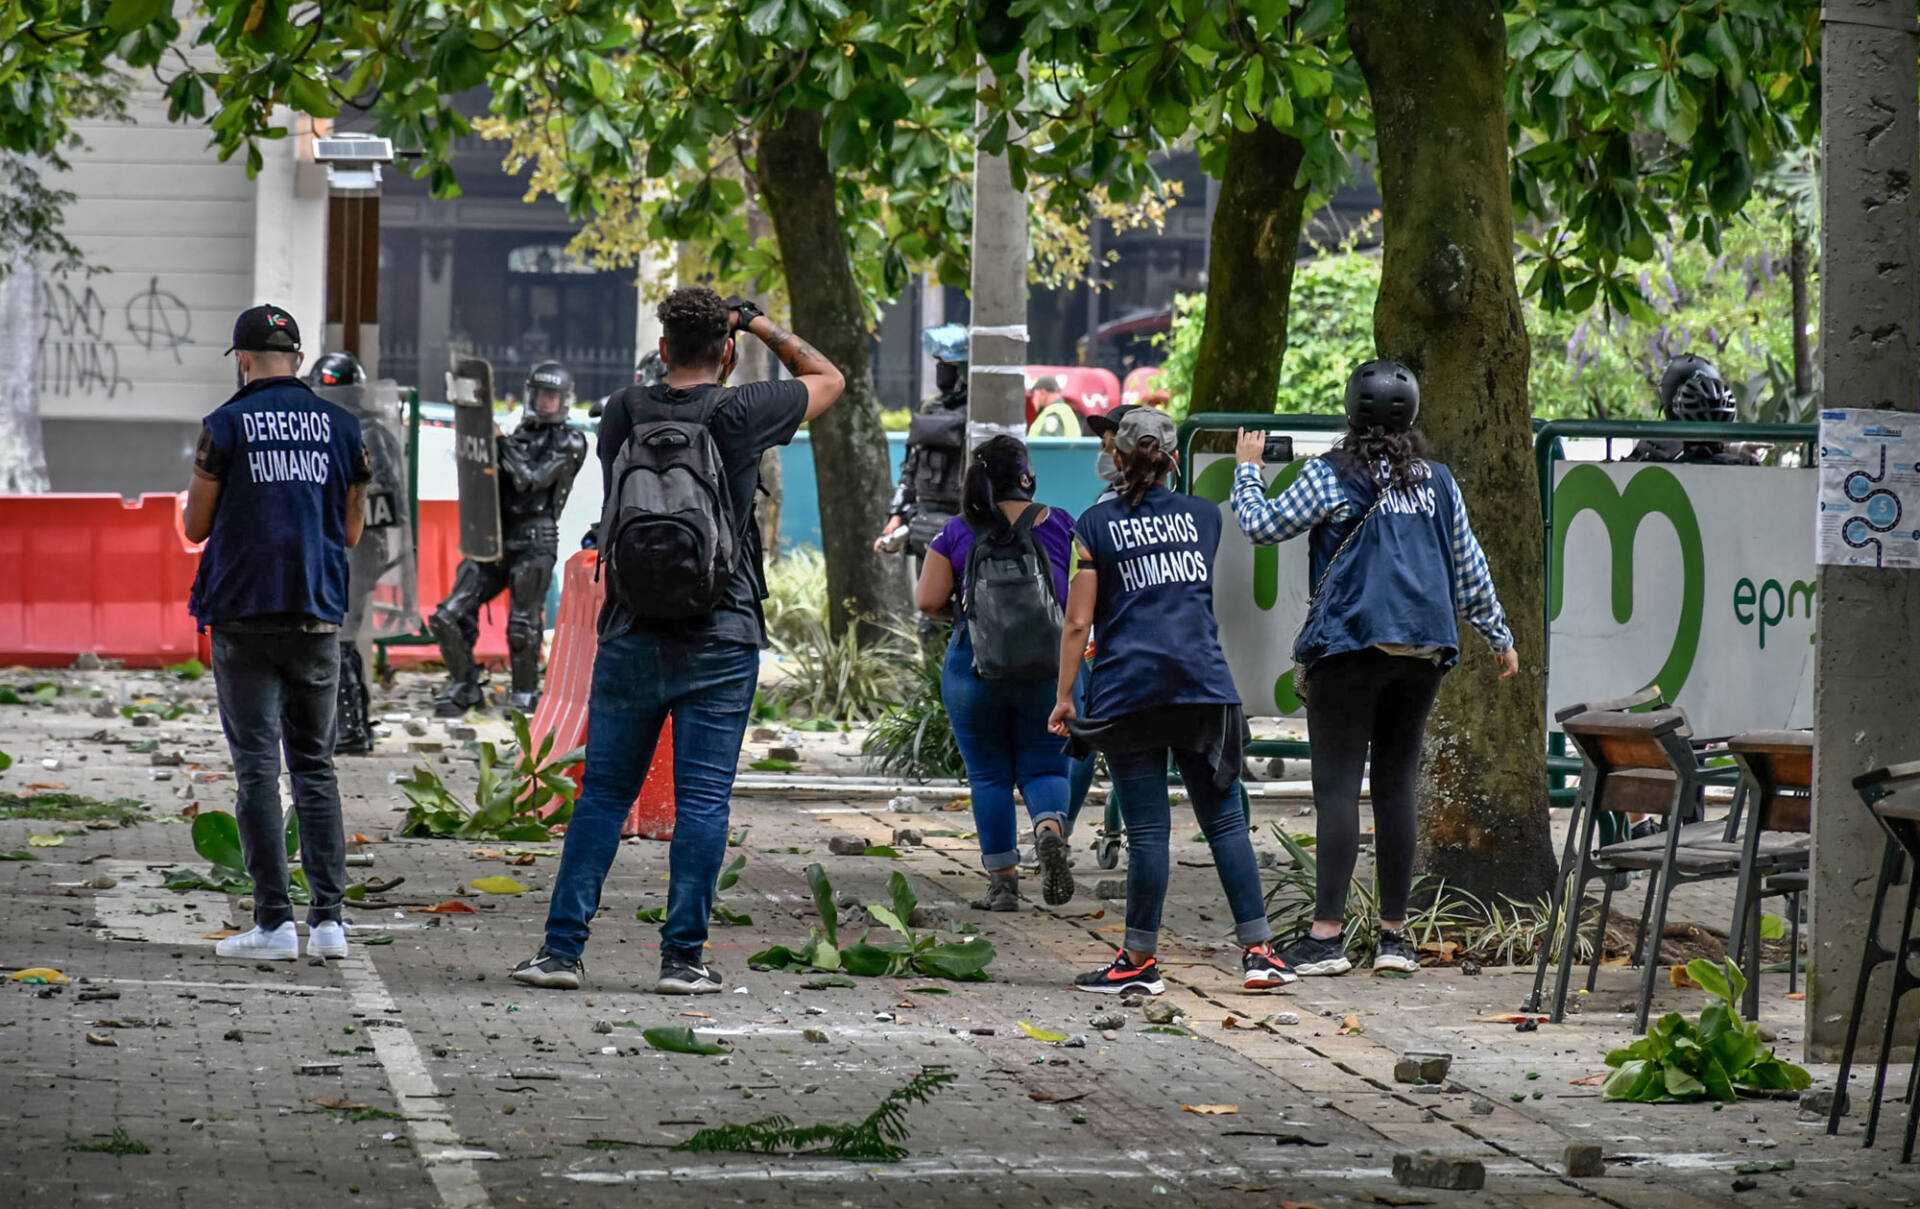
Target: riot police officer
[538, 462]
[1692, 391]
[930, 475]
[340, 375]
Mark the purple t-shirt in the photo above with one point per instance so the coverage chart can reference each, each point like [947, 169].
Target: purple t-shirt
[1056, 538]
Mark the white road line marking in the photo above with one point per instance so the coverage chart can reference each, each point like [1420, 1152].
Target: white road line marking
[434, 1138]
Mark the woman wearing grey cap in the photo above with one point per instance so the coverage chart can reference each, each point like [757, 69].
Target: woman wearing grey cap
[1160, 687]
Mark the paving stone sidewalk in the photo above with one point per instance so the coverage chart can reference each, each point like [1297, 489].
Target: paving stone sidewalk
[438, 1082]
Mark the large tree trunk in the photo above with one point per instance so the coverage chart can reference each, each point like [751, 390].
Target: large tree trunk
[23, 457]
[1256, 228]
[1448, 307]
[849, 445]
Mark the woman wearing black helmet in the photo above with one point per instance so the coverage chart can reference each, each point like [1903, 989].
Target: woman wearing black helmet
[1393, 561]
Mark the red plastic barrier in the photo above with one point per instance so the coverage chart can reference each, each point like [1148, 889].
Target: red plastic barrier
[439, 544]
[96, 573]
[563, 704]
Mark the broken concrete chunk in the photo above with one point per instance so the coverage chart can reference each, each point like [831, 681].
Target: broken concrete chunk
[603, 1026]
[1107, 1021]
[907, 837]
[459, 733]
[103, 707]
[144, 720]
[816, 1035]
[790, 754]
[87, 661]
[1159, 1011]
[765, 734]
[1439, 1171]
[847, 845]
[416, 727]
[1110, 887]
[1422, 1066]
[926, 917]
[906, 803]
[426, 747]
[1281, 1018]
[1584, 1160]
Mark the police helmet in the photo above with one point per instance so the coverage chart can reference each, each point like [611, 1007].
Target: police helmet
[1383, 395]
[549, 375]
[651, 369]
[1691, 389]
[337, 369]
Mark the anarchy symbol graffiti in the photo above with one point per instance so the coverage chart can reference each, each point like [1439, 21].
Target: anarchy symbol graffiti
[157, 319]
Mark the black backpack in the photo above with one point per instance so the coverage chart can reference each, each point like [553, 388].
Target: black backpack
[668, 537]
[1013, 616]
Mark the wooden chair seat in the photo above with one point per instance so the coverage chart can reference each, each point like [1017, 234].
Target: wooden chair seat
[1795, 882]
[1691, 862]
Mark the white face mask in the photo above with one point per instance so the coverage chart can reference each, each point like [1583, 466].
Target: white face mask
[1105, 469]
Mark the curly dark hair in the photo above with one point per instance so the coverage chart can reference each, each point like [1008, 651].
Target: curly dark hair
[695, 322]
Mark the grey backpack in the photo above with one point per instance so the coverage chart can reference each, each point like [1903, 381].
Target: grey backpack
[668, 537]
[1013, 617]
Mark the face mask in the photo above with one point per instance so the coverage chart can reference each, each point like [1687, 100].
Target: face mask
[1105, 469]
[946, 376]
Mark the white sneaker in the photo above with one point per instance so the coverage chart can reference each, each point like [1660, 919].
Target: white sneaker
[258, 944]
[327, 939]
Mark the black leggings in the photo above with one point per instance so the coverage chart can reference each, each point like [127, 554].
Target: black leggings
[1355, 699]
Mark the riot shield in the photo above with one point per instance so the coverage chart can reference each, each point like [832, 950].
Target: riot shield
[470, 390]
[382, 590]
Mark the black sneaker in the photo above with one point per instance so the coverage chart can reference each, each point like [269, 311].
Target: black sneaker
[1311, 956]
[1003, 894]
[1121, 977]
[543, 969]
[1264, 969]
[1056, 866]
[678, 977]
[1392, 952]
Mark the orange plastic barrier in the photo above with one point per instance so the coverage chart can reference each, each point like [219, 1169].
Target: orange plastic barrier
[96, 573]
[563, 703]
[438, 542]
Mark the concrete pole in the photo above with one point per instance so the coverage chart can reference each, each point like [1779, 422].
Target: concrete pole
[996, 379]
[1866, 688]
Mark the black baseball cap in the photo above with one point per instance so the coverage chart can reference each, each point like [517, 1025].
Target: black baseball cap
[1102, 425]
[265, 329]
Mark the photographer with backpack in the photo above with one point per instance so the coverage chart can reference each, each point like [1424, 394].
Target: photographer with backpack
[1000, 568]
[1160, 685]
[681, 630]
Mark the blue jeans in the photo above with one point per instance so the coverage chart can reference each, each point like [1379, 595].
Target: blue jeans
[1001, 729]
[1140, 780]
[639, 679]
[278, 692]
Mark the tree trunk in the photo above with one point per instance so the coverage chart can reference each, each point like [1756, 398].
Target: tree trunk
[1802, 351]
[1256, 229]
[23, 455]
[849, 445]
[1448, 308]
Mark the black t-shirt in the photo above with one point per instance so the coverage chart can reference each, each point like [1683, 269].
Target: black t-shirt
[758, 416]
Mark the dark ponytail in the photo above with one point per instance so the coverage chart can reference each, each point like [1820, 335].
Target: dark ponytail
[1394, 460]
[1143, 469]
[998, 471]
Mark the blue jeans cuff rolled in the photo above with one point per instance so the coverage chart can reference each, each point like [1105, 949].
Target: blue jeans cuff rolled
[1058, 817]
[993, 862]
[1253, 931]
[1137, 941]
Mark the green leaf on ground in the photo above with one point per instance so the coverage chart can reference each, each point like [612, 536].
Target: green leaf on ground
[1040, 1034]
[772, 765]
[120, 1143]
[216, 837]
[680, 1041]
[651, 915]
[18, 854]
[497, 885]
[378, 940]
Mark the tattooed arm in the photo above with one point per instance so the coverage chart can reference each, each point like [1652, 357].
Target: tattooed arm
[823, 381]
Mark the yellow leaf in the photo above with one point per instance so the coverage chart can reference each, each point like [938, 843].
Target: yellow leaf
[46, 841]
[38, 974]
[1040, 1034]
[1351, 1025]
[1212, 1110]
[497, 885]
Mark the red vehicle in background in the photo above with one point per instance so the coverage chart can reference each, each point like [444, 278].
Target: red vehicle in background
[1088, 390]
[1143, 386]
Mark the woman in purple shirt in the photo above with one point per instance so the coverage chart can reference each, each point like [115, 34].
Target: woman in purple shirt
[1001, 725]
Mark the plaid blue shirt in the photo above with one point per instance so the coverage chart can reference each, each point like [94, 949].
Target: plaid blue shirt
[1315, 497]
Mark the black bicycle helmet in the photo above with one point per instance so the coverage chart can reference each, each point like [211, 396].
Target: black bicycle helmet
[1383, 395]
[1691, 389]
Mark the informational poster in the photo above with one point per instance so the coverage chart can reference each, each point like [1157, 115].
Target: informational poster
[1869, 489]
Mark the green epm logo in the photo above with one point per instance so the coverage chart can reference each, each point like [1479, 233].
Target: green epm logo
[1652, 491]
[1215, 484]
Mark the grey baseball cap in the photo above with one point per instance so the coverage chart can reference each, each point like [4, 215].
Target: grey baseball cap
[1144, 422]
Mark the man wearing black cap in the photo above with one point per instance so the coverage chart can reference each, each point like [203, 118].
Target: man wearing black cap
[279, 481]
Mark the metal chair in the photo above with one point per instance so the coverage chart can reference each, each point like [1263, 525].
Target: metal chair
[1778, 765]
[1893, 794]
[1642, 764]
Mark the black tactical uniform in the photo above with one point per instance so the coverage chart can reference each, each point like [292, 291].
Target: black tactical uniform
[1692, 391]
[340, 378]
[538, 462]
[936, 462]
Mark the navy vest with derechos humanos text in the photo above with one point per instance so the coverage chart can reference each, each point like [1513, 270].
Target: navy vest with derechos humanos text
[278, 545]
[1155, 639]
[1394, 585]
